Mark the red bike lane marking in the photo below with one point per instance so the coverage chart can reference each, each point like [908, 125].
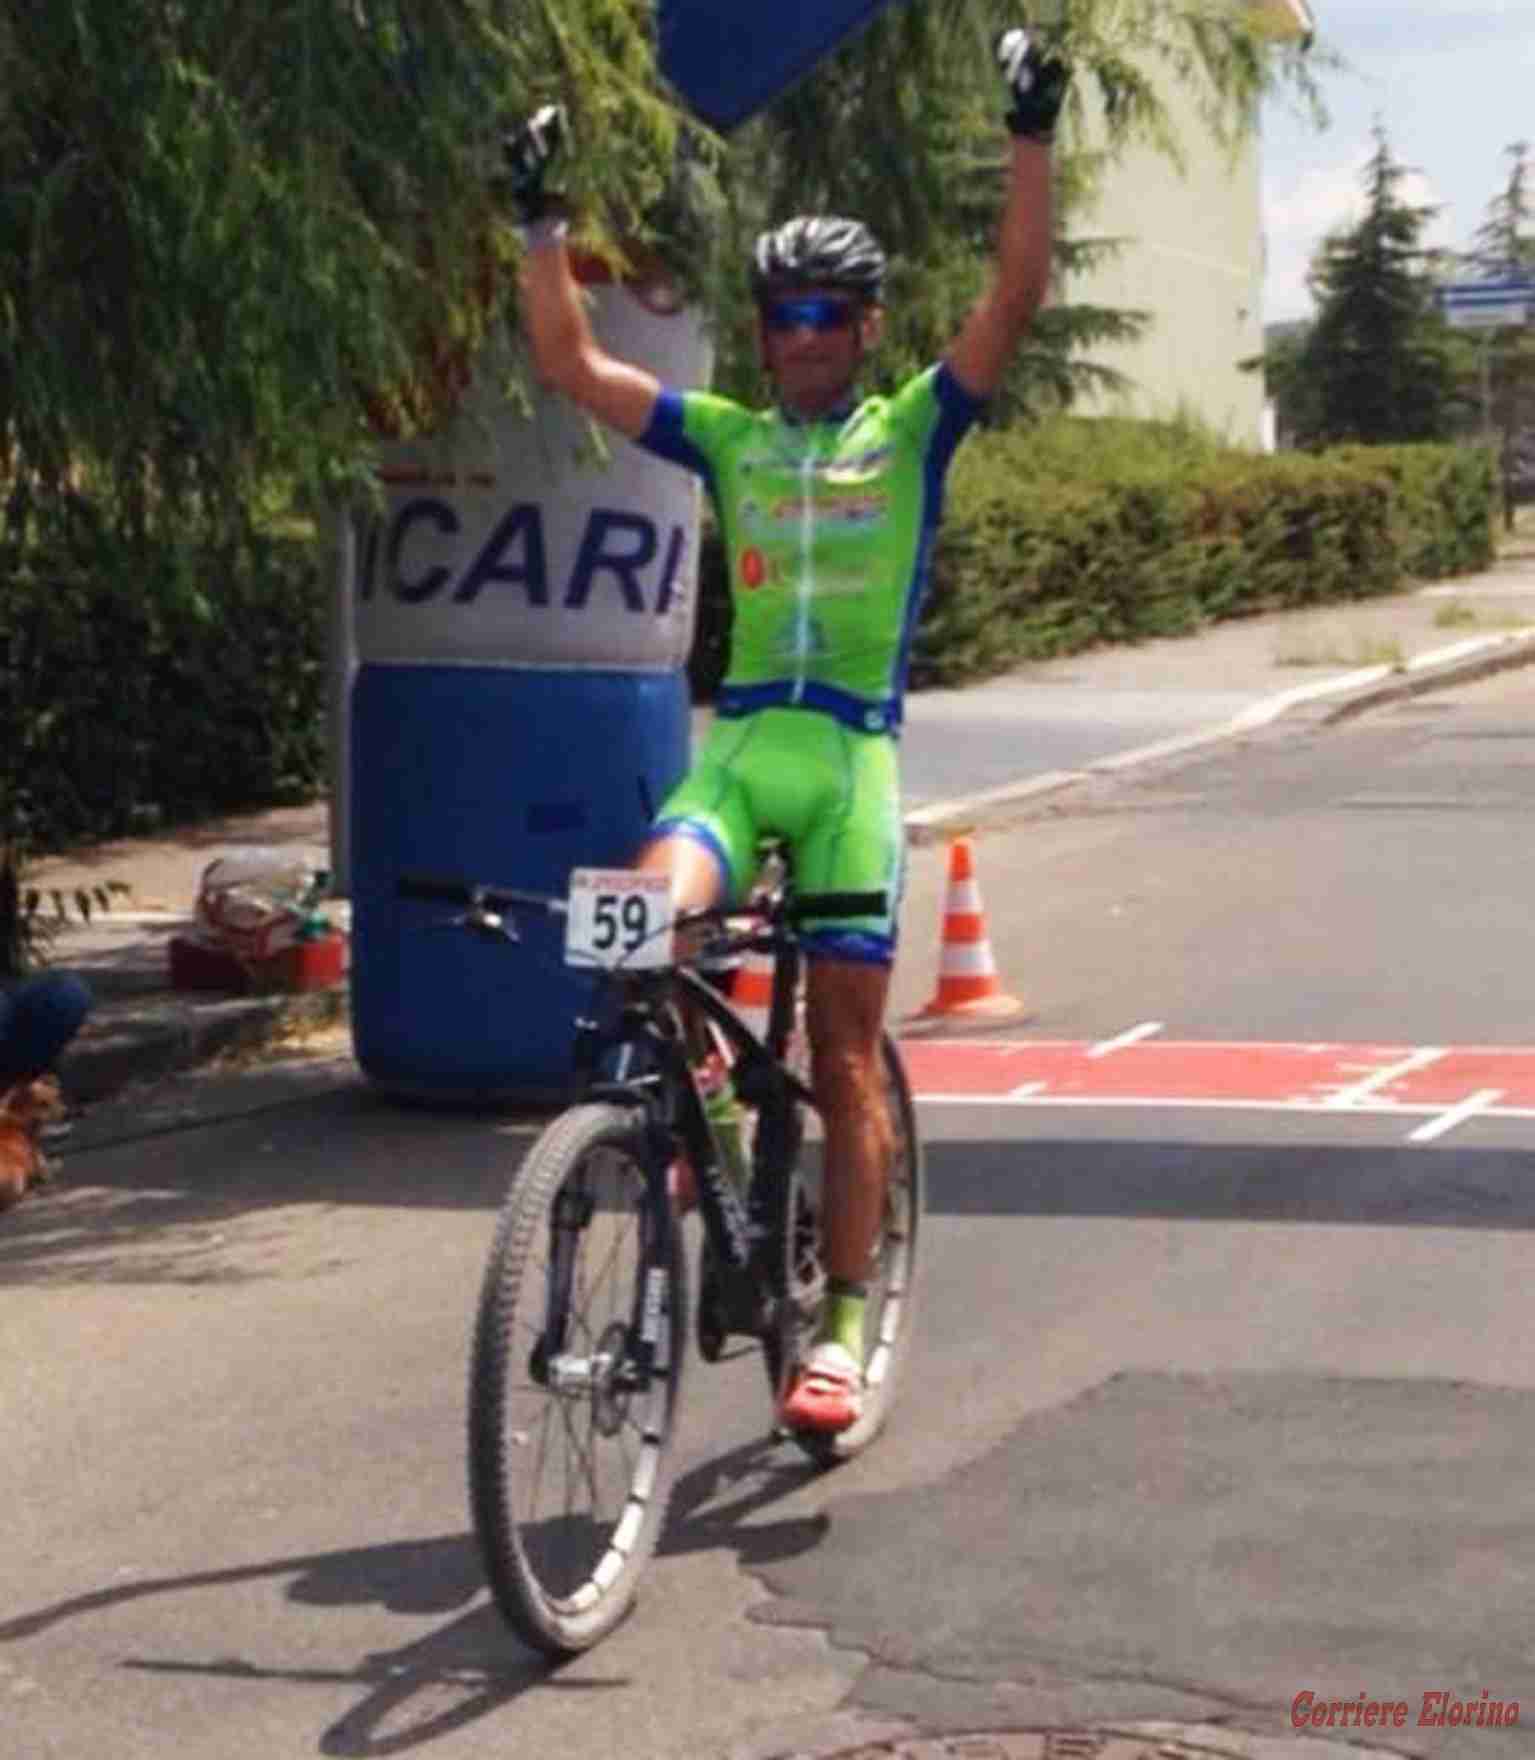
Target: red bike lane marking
[1456, 1080]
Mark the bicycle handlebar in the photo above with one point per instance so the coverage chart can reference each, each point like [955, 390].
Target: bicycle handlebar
[445, 889]
[837, 904]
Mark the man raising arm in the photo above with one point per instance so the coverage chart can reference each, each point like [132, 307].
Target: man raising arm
[827, 505]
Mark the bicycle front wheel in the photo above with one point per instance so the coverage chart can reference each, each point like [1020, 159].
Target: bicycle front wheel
[570, 1429]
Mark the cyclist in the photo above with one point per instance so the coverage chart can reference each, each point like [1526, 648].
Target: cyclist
[827, 506]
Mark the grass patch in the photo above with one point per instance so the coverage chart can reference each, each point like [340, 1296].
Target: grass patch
[1455, 614]
[1520, 542]
[1326, 651]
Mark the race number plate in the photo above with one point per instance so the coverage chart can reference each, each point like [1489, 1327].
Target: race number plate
[619, 918]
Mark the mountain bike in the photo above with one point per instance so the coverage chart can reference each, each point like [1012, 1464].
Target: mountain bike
[582, 1323]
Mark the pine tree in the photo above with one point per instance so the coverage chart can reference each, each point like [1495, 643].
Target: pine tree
[1378, 360]
[1505, 241]
[1504, 245]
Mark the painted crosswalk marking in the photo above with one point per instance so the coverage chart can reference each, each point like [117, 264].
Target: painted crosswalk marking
[1435, 1087]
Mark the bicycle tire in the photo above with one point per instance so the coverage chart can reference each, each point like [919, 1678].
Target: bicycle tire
[564, 1582]
[889, 1315]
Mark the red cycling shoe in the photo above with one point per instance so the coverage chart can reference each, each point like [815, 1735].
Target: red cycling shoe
[826, 1392]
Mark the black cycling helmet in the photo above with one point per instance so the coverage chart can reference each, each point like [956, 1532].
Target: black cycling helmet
[819, 250]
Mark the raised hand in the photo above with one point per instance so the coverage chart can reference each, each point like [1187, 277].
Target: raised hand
[529, 150]
[1037, 81]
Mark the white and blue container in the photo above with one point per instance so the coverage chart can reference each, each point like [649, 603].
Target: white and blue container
[521, 614]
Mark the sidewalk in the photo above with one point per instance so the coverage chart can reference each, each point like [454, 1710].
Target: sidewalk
[975, 752]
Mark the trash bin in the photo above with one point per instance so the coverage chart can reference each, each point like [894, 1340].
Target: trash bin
[522, 610]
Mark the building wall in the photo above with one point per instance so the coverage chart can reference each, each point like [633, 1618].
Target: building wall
[1193, 259]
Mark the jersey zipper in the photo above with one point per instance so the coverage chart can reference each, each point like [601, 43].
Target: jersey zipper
[806, 569]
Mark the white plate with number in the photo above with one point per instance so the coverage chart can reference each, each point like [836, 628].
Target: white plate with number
[618, 917]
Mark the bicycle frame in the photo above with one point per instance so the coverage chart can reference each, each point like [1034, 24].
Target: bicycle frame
[665, 1088]
[641, 1060]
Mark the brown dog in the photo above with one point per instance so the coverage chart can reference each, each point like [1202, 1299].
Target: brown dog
[24, 1109]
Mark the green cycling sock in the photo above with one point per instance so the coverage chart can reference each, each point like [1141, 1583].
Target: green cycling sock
[842, 1317]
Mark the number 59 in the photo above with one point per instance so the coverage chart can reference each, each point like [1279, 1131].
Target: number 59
[615, 919]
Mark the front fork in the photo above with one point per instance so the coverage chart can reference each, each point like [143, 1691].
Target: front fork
[625, 1358]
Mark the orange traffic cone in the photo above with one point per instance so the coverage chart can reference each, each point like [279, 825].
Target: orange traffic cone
[751, 991]
[968, 985]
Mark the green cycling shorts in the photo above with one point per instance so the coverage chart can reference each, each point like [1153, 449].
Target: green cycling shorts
[831, 792]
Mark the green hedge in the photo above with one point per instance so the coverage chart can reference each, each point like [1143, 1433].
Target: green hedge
[1446, 501]
[1079, 533]
[145, 689]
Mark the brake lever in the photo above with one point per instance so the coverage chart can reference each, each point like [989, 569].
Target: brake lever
[486, 924]
[490, 925]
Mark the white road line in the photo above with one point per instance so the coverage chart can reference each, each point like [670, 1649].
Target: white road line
[1342, 1098]
[1026, 1091]
[1146, 1030]
[1480, 1101]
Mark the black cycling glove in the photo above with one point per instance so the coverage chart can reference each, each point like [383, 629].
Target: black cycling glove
[1037, 81]
[529, 150]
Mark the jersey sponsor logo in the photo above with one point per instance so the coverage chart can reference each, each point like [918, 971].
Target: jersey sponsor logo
[410, 558]
[790, 453]
[843, 473]
[833, 509]
[867, 508]
[864, 508]
[860, 466]
[758, 567]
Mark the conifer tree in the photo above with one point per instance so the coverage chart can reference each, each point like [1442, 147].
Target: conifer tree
[1378, 361]
[1504, 245]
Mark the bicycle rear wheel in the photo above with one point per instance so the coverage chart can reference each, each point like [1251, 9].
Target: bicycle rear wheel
[569, 1439]
[888, 1316]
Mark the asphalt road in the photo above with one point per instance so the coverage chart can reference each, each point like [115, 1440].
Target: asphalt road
[1210, 1407]
[963, 741]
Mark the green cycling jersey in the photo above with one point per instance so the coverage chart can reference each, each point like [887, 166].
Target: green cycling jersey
[829, 528]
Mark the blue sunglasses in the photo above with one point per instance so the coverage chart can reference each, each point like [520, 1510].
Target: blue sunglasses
[812, 312]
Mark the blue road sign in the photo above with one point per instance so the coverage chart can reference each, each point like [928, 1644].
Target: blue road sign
[730, 61]
[1484, 305]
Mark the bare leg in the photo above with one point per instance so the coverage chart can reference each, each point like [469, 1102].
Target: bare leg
[696, 884]
[846, 1010]
[696, 880]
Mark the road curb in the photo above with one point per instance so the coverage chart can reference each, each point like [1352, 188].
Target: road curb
[126, 1043]
[1358, 692]
[1494, 654]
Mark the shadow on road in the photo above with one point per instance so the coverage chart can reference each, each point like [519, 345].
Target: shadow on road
[416, 1694]
[471, 1666]
[159, 1206]
[162, 1208]
[711, 1503]
[1234, 1182]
